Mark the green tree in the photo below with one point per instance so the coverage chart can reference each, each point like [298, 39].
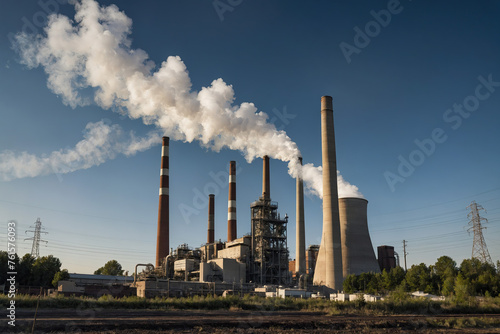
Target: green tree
[445, 266]
[481, 276]
[350, 284]
[44, 269]
[398, 275]
[448, 286]
[463, 289]
[418, 278]
[25, 270]
[444, 272]
[60, 276]
[390, 280]
[111, 267]
[386, 281]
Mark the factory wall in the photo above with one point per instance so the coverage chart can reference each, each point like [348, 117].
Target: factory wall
[223, 270]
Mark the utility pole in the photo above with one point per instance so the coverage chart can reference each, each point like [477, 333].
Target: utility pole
[36, 238]
[479, 248]
[404, 251]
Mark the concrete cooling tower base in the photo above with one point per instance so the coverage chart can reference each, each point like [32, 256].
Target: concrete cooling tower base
[357, 250]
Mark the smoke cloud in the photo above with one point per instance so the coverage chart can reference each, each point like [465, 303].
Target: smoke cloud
[93, 52]
[101, 142]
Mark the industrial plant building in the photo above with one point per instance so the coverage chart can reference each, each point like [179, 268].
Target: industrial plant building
[261, 258]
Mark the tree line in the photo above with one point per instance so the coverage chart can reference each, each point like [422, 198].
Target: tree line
[471, 278]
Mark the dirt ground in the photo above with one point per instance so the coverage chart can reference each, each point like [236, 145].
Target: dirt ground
[154, 321]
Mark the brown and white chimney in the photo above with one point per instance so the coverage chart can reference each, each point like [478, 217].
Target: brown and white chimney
[266, 188]
[231, 203]
[162, 237]
[211, 219]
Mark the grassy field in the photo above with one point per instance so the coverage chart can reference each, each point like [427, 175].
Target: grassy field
[391, 306]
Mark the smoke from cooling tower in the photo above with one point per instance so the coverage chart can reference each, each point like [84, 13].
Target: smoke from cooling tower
[94, 51]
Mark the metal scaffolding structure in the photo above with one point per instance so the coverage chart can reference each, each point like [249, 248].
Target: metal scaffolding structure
[269, 243]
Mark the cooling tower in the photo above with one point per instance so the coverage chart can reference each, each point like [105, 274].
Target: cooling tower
[300, 241]
[328, 269]
[357, 250]
[162, 235]
[211, 218]
[231, 203]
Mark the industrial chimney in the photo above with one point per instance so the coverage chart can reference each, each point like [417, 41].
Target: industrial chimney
[162, 236]
[300, 241]
[357, 250]
[211, 213]
[231, 203]
[266, 187]
[328, 270]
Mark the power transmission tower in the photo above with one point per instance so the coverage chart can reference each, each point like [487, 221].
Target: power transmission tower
[479, 249]
[36, 238]
[404, 251]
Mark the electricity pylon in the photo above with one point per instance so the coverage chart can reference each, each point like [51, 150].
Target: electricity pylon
[479, 248]
[36, 238]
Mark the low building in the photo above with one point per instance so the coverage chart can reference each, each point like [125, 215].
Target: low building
[294, 293]
[340, 297]
[97, 285]
[223, 270]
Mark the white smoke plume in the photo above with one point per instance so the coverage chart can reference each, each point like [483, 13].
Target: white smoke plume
[101, 142]
[94, 51]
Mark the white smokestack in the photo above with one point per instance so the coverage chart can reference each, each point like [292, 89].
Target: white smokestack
[94, 51]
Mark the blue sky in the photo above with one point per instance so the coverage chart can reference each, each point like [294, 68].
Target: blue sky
[282, 56]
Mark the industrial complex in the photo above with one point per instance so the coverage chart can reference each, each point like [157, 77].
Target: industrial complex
[259, 261]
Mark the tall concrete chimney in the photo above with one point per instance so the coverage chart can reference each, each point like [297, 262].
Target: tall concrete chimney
[231, 203]
[162, 235]
[266, 187]
[328, 270]
[300, 241]
[211, 213]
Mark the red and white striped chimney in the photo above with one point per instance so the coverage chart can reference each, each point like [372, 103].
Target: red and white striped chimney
[162, 238]
[231, 203]
[211, 219]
